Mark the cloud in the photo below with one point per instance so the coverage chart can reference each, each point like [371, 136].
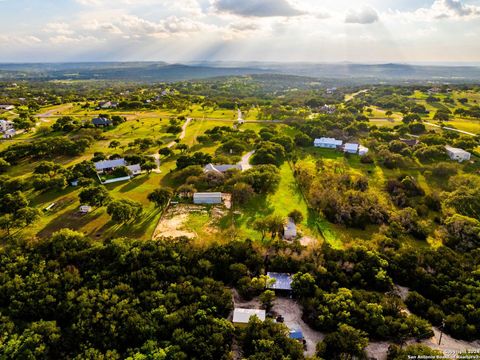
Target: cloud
[58, 28]
[365, 15]
[442, 9]
[257, 8]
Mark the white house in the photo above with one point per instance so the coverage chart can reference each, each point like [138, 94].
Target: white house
[328, 109]
[350, 148]
[362, 150]
[457, 154]
[289, 230]
[109, 165]
[207, 198]
[6, 107]
[221, 168]
[329, 143]
[242, 316]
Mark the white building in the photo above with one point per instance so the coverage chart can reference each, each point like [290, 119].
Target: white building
[7, 129]
[362, 150]
[457, 154]
[109, 165]
[350, 148]
[85, 209]
[242, 316]
[207, 198]
[7, 107]
[290, 230]
[328, 109]
[329, 143]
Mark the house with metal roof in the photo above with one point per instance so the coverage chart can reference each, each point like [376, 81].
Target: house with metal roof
[242, 316]
[109, 165]
[221, 168]
[102, 121]
[282, 281]
[328, 143]
[207, 198]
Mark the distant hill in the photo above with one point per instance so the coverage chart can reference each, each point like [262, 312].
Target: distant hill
[161, 71]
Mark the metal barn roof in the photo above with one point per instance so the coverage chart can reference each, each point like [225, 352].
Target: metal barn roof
[242, 316]
[282, 281]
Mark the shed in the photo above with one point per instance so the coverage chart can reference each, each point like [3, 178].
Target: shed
[283, 281]
[207, 198]
[242, 316]
[85, 209]
[457, 154]
[362, 150]
[289, 230]
[329, 143]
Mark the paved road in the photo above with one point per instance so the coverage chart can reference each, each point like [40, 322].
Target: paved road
[245, 162]
[449, 128]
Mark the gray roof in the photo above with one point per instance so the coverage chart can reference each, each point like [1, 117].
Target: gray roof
[331, 141]
[207, 194]
[220, 168]
[456, 151]
[282, 281]
[101, 121]
[351, 146]
[134, 168]
[242, 316]
[109, 164]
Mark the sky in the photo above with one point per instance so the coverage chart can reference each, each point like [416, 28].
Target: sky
[377, 31]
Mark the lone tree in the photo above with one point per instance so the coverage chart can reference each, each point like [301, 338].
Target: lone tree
[124, 210]
[267, 298]
[160, 197]
[94, 196]
[346, 343]
[166, 151]
[296, 216]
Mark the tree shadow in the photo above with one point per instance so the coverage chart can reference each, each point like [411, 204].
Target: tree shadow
[135, 182]
[71, 220]
[134, 228]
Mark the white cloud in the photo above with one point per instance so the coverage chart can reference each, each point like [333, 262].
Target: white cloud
[365, 15]
[442, 9]
[59, 28]
[257, 8]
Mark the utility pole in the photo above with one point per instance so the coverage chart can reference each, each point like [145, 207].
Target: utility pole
[441, 333]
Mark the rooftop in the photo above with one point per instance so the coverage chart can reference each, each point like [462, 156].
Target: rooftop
[207, 194]
[282, 281]
[332, 141]
[109, 164]
[242, 316]
[456, 150]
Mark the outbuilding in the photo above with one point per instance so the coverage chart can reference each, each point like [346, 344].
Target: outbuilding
[290, 230]
[207, 198]
[362, 150]
[457, 154]
[242, 316]
[282, 281]
[350, 148]
[84, 209]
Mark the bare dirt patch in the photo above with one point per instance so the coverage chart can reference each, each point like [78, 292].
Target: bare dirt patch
[171, 227]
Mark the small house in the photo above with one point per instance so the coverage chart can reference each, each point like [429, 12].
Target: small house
[457, 154]
[102, 122]
[207, 198]
[328, 109]
[84, 209]
[242, 316]
[135, 169]
[283, 282]
[350, 148]
[362, 150]
[6, 107]
[328, 143]
[289, 230]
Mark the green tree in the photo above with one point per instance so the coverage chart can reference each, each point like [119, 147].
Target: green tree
[124, 210]
[347, 343]
[267, 298]
[94, 196]
[160, 197]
